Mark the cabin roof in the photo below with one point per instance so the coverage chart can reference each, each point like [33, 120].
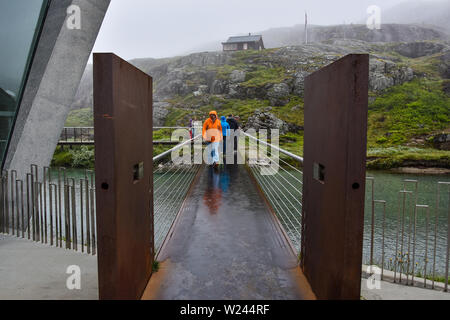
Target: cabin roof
[238, 39]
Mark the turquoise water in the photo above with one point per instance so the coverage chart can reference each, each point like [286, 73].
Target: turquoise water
[386, 187]
[399, 221]
[284, 191]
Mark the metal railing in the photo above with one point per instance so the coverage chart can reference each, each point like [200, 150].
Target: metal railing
[171, 180]
[282, 184]
[49, 208]
[410, 240]
[85, 135]
[53, 208]
[77, 135]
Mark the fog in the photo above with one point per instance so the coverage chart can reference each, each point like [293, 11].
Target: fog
[163, 28]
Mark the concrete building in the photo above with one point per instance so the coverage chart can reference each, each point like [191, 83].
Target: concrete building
[45, 48]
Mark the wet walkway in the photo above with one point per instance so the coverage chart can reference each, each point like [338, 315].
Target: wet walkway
[227, 245]
[32, 271]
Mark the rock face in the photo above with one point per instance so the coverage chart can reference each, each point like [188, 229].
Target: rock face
[266, 120]
[384, 74]
[442, 141]
[274, 75]
[299, 83]
[388, 33]
[237, 76]
[444, 66]
[160, 112]
[279, 94]
[418, 49]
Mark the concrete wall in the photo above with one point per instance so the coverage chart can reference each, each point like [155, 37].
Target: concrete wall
[56, 71]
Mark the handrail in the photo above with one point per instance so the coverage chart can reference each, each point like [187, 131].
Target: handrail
[157, 128]
[290, 154]
[165, 153]
[78, 128]
[160, 128]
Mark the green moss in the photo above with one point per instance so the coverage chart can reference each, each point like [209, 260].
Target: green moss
[177, 116]
[293, 112]
[412, 109]
[263, 76]
[292, 142]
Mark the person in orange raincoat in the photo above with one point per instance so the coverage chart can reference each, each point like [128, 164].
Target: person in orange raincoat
[212, 134]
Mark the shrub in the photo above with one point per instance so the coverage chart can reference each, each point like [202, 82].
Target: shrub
[83, 157]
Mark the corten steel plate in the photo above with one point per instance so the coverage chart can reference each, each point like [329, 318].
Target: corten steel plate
[335, 144]
[124, 177]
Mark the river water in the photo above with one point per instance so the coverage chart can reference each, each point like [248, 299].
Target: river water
[386, 187]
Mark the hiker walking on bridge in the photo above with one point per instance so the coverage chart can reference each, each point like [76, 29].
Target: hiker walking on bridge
[212, 134]
[234, 125]
[225, 134]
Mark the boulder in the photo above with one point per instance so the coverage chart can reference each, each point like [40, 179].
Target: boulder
[237, 76]
[442, 141]
[266, 120]
[299, 83]
[160, 112]
[219, 87]
[384, 74]
[202, 90]
[279, 94]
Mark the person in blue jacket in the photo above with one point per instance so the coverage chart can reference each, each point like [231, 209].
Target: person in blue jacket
[225, 132]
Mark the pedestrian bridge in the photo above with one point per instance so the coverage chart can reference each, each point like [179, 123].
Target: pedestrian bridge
[227, 244]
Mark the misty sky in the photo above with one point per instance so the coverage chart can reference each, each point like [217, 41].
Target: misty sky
[164, 28]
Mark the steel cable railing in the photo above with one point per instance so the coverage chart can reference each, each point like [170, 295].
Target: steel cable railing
[172, 181]
[282, 188]
[409, 242]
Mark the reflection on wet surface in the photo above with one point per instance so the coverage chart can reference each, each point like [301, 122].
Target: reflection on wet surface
[227, 245]
[218, 182]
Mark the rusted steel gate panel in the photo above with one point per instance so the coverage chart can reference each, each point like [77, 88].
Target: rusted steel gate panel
[336, 99]
[124, 177]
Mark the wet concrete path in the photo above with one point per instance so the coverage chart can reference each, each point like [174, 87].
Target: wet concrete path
[227, 245]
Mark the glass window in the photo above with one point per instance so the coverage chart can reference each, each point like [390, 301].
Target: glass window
[20, 22]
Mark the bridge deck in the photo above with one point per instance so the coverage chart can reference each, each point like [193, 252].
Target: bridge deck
[227, 245]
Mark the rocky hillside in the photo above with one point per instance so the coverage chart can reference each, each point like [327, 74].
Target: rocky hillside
[280, 37]
[275, 74]
[409, 91]
[294, 36]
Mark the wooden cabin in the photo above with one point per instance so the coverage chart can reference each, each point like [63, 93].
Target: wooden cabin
[250, 42]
